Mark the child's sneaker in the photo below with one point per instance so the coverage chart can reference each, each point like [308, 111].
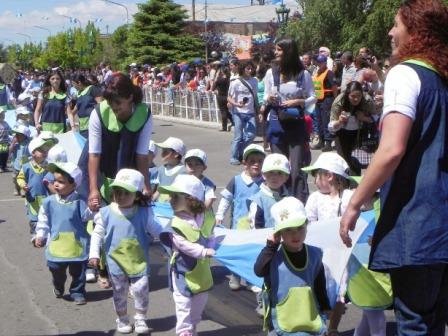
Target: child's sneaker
[90, 275]
[123, 326]
[58, 293]
[234, 282]
[140, 326]
[80, 300]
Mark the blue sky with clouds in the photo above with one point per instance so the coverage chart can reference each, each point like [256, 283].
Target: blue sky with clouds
[52, 16]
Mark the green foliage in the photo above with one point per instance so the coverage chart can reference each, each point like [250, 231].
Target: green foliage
[157, 35]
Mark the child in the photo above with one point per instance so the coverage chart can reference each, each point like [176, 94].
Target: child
[18, 151]
[62, 218]
[23, 116]
[330, 172]
[173, 149]
[56, 154]
[4, 140]
[122, 228]
[196, 164]
[237, 193]
[295, 296]
[152, 153]
[30, 180]
[193, 242]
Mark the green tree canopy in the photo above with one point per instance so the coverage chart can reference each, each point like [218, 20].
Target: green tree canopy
[157, 35]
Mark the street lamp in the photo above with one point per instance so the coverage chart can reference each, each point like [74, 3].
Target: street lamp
[43, 28]
[121, 5]
[26, 35]
[282, 17]
[73, 20]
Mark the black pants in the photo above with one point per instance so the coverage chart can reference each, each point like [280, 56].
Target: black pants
[3, 159]
[77, 270]
[346, 142]
[226, 116]
[297, 182]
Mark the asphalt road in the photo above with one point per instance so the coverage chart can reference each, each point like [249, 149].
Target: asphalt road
[28, 307]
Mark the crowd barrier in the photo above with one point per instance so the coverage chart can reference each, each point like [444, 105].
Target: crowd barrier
[183, 104]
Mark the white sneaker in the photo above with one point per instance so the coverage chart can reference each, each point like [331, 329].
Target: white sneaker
[90, 275]
[254, 289]
[140, 327]
[234, 282]
[123, 326]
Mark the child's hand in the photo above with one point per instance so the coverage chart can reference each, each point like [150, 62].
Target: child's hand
[39, 242]
[274, 238]
[210, 252]
[94, 262]
[26, 188]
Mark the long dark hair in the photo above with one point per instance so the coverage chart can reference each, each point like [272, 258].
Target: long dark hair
[121, 87]
[47, 86]
[290, 64]
[351, 87]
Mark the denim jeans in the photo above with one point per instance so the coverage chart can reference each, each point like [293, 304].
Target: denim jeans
[322, 114]
[421, 299]
[243, 133]
[77, 270]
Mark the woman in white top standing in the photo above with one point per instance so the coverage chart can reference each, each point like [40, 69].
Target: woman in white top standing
[288, 91]
[243, 99]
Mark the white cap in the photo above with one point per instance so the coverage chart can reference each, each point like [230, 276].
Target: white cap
[57, 153]
[24, 97]
[38, 142]
[253, 148]
[22, 110]
[185, 184]
[197, 153]
[288, 213]
[68, 167]
[331, 162]
[276, 162]
[22, 129]
[133, 64]
[129, 179]
[3, 109]
[173, 143]
[152, 147]
[48, 136]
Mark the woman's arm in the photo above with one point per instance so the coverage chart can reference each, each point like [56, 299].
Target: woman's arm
[396, 128]
[37, 114]
[94, 193]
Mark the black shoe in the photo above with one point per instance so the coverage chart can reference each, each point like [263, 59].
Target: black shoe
[327, 147]
[58, 293]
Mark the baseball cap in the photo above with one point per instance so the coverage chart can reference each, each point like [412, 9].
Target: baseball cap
[276, 162]
[68, 167]
[2, 109]
[253, 148]
[48, 136]
[57, 153]
[129, 179]
[185, 184]
[331, 162]
[197, 153]
[173, 143]
[38, 142]
[321, 59]
[22, 129]
[152, 147]
[288, 213]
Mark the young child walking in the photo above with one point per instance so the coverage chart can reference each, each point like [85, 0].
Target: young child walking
[18, 152]
[61, 226]
[153, 169]
[235, 196]
[173, 149]
[123, 229]
[330, 172]
[30, 180]
[5, 130]
[295, 296]
[192, 244]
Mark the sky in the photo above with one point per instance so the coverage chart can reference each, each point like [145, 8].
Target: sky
[19, 18]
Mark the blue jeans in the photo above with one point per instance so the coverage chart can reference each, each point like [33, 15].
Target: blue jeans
[244, 132]
[322, 114]
[421, 299]
[77, 270]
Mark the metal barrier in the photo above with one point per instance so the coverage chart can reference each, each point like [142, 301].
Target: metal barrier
[183, 104]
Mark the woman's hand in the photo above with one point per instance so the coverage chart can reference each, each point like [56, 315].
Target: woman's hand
[348, 223]
[293, 103]
[343, 118]
[94, 262]
[94, 200]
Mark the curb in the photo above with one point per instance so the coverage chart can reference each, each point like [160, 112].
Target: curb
[196, 123]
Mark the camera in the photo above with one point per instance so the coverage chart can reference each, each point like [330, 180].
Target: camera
[245, 100]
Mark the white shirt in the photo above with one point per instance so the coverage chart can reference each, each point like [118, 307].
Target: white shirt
[321, 206]
[238, 91]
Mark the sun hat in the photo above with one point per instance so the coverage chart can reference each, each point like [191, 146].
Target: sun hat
[22, 110]
[57, 153]
[321, 59]
[253, 148]
[185, 184]
[68, 167]
[48, 136]
[22, 129]
[38, 142]
[173, 143]
[197, 153]
[288, 213]
[332, 162]
[129, 179]
[3, 109]
[152, 147]
[276, 162]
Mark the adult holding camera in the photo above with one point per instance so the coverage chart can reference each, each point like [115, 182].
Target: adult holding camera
[243, 99]
[410, 241]
[349, 112]
[288, 91]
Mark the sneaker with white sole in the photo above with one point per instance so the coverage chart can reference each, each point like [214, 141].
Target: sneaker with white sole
[90, 275]
[234, 282]
[140, 327]
[123, 326]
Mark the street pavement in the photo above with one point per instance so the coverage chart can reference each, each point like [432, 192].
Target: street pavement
[28, 306]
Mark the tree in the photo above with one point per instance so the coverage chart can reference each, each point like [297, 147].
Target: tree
[158, 37]
[119, 41]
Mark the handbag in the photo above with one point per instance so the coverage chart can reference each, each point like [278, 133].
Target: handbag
[290, 113]
[367, 143]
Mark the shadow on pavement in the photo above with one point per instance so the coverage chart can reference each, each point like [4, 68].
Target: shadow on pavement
[162, 324]
[89, 333]
[99, 295]
[391, 330]
[248, 330]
